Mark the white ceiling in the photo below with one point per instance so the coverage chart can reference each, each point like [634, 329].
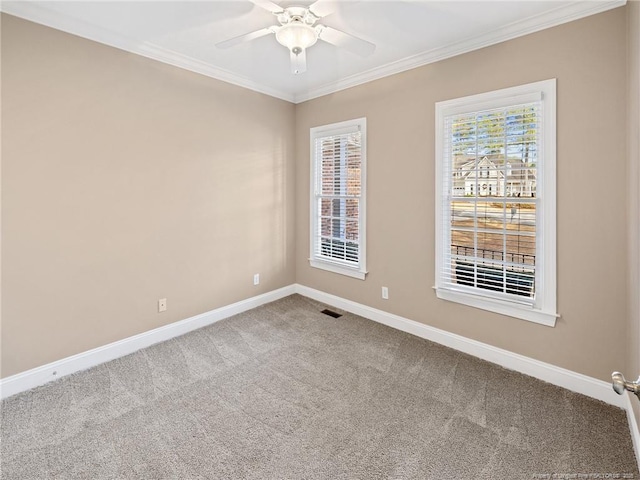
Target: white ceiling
[407, 34]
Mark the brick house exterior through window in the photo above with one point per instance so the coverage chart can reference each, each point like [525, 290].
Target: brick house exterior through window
[338, 154]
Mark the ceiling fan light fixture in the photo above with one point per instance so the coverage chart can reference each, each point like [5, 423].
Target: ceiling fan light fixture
[297, 36]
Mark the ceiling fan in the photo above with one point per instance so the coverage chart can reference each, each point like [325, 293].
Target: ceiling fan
[299, 30]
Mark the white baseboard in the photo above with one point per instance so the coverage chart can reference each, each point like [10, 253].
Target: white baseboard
[39, 376]
[544, 371]
[561, 377]
[633, 424]
[568, 379]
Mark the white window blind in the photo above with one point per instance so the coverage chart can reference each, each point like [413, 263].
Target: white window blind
[493, 242]
[337, 234]
[490, 174]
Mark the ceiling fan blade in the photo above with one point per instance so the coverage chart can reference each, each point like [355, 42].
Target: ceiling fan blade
[244, 38]
[322, 8]
[344, 40]
[299, 62]
[267, 5]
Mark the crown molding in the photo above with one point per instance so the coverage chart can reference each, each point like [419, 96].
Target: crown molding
[552, 18]
[39, 14]
[567, 13]
[182, 61]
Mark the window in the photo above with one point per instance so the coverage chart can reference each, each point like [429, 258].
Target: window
[496, 246]
[338, 159]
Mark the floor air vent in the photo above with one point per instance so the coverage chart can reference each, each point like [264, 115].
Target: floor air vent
[331, 313]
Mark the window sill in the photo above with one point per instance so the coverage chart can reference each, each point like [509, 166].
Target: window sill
[337, 268]
[523, 312]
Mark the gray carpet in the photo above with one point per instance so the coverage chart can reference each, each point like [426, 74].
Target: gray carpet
[285, 392]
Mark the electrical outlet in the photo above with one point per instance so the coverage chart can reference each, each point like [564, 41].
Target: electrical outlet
[162, 305]
[385, 293]
[256, 279]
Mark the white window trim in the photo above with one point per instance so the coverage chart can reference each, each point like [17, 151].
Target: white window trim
[359, 271]
[544, 310]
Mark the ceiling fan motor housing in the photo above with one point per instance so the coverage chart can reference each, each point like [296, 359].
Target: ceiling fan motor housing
[302, 14]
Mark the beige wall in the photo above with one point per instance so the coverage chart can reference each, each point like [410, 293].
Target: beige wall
[633, 54]
[0, 198]
[124, 181]
[588, 57]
